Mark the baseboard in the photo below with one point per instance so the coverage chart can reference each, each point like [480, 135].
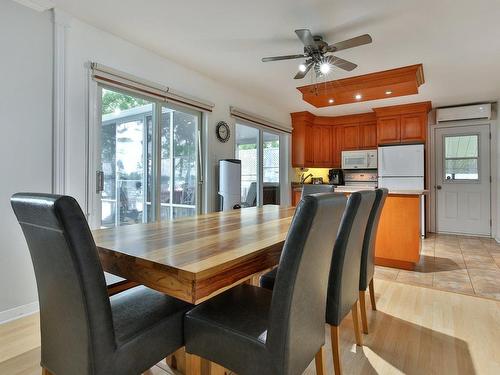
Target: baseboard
[18, 312]
[497, 239]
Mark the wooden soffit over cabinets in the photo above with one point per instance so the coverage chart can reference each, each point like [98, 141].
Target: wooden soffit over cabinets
[395, 110]
[379, 85]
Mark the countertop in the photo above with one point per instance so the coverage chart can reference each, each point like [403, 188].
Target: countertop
[298, 185]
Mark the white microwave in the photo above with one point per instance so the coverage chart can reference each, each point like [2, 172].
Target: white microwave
[364, 159]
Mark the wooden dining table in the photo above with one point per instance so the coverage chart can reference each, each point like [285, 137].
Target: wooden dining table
[196, 258]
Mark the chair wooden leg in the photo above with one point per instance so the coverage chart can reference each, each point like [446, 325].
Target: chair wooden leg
[193, 364]
[355, 321]
[335, 337]
[319, 359]
[362, 307]
[46, 372]
[177, 360]
[372, 295]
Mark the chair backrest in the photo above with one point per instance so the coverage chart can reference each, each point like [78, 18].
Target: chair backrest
[297, 316]
[368, 256]
[75, 314]
[343, 282]
[251, 199]
[309, 189]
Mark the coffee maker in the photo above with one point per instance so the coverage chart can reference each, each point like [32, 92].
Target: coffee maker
[336, 177]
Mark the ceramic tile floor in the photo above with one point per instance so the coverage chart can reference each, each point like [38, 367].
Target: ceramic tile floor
[469, 265]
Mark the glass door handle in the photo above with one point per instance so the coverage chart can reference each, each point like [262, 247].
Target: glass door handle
[99, 181]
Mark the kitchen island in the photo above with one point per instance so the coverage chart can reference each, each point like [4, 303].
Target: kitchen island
[399, 239]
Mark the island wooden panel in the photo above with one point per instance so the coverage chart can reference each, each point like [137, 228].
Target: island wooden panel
[195, 258]
[398, 240]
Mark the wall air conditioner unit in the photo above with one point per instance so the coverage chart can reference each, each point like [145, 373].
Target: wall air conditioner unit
[466, 112]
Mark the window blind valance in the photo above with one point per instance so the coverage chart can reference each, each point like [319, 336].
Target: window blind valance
[243, 115]
[114, 78]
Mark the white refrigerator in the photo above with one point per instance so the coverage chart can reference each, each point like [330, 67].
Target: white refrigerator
[402, 168]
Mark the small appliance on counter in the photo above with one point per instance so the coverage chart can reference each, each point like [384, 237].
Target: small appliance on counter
[362, 159]
[229, 184]
[336, 177]
[317, 180]
[359, 180]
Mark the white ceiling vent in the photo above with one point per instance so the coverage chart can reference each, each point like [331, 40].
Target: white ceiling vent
[466, 112]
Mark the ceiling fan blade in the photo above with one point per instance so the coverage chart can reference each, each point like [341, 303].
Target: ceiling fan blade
[306, 38]
[301, 74]
[286, 57]
[350, 43]
[341, 63]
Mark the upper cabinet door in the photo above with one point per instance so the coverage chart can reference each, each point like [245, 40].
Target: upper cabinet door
[368, 135]
[322, 142]
[308, 145]
[388, 129]
[338, 145]
[414, 127]
[351, 137]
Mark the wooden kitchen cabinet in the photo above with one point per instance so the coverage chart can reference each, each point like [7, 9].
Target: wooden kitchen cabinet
[388, 130]
[402, 124]
[351, 137]
[413, 127]
[368, 135]
[322, 142]
[338, 144]
[302, 133]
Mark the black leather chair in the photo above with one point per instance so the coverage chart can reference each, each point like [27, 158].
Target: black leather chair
[343, 283]
[84, 331]
[252, 330]
[308, 189]
[368, 256]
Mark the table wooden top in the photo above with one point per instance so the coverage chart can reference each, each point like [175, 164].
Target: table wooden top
[197, 257]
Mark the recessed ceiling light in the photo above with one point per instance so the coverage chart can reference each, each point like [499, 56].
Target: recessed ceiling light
[324, 68]
[358, 96]
[302, 67]
[481, 108]
[331, 101]
[388, 92]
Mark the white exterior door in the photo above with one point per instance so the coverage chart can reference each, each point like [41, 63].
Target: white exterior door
[463, 180]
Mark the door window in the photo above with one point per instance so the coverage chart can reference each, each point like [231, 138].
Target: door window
[461, 157]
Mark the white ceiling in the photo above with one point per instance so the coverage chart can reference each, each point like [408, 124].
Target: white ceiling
[458, 41]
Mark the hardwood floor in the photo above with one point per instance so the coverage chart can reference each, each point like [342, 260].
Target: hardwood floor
[469, 265]
[415, 331]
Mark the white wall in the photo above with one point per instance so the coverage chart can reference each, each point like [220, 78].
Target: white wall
[26, 141]
[86, 43]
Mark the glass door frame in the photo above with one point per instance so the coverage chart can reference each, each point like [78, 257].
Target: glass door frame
[93, 147]
[283, 159]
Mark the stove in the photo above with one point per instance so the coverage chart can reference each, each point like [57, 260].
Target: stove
[359, 180]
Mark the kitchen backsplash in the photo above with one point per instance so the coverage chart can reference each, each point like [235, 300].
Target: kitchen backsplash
[316, 172]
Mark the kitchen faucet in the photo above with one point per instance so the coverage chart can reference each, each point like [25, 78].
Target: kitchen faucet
[303, 179]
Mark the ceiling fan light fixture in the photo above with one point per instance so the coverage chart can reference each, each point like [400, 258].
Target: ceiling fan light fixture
[324, 68]
[302, 68]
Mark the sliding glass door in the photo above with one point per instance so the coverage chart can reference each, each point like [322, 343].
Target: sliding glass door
[149, 160]
[259, 152]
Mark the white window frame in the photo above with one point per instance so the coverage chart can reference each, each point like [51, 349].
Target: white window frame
[93, 143]
[284, 143]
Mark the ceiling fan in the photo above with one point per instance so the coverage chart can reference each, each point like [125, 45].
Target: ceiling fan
[316, 50]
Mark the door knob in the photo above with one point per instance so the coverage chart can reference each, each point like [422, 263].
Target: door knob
[439, 187]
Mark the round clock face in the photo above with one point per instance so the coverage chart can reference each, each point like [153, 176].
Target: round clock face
[222, 131]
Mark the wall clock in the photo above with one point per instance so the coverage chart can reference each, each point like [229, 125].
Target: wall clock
[222, 131]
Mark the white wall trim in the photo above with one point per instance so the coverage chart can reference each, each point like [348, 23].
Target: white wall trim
[61, 24]
[38, 5]
[19, 312]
